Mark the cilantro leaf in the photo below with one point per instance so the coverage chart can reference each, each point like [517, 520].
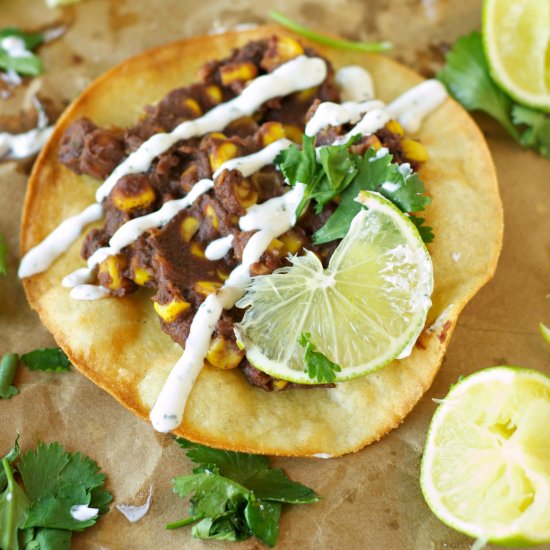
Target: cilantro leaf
[47, 359]
[376, 173]
[298, 165]
[466, 75]
[426, 232]
[31, 39]
[8, 368]
[56, 480]
[50, 539]
[27, 64]
[318, 366]
[13, 510]
[3, 255]
[250, 471]
[537, 131]
[263, 520]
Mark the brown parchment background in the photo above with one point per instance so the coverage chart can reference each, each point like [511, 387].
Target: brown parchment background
[371, 499]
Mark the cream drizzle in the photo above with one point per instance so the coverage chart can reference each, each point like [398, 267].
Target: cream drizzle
[89, 292]
[217, 249]
[413, 106]
[355, 83]
[169, 407]
[370, 123]
[40, 257]
[297, 74]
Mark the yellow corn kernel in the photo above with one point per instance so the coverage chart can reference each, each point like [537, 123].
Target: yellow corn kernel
[217, 135]
[287, 48]
[188, 228]
[276, 244]
[224, 354]
[204, 288]
[249, 200]
[222, 275]
[307, 94]
[112, 266]
[293, 243]
[394, 127]
[126, 203]
[245, 193]
[223, 152]
[210, 213]
[414, 150]
[238, 71]
[198, 251]
[278, 385]
[214, 94]
[272, 131]
[141, 276]
[292, 132]
[374, 142]
[172, 310]
[192, 105]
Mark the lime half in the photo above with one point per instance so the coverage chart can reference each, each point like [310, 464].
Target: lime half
[516, 35]
[486, 465]
[367, 308]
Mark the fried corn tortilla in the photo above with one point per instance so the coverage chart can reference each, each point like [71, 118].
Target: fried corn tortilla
[118, 343]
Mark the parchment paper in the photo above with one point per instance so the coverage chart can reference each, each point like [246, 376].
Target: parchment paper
[371, 499]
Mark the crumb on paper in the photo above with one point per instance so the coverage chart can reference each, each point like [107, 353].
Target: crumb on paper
[456, 256]
[135, 513]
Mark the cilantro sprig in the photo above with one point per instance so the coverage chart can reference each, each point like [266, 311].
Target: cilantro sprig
[8, 368]
[47, 359]
[466, 75]
[235, 495]
[38, 513]
[344, 174]
[318, 366]
[27, 64]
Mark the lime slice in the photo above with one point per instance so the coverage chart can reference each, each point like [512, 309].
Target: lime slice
[363, 311]
[486, 467]
[516, 35]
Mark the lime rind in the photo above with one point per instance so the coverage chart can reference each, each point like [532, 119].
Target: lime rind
[512, 16]
[486, 454]
[545, 332]
[368, 306]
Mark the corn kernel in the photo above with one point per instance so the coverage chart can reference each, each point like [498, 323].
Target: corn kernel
[272, 131]
[287, 47]
[172, 310]
[293, 243]
[414, 150]
[278, 385]
[394, 127]
[249, 200]
[238, 71]
[217, 135]
[276, 244]
[204, 288]
[210, 213]
[192, 105]
[292, 132]
[112, 268]
[188, 228]
[141, 276]
[198, 251]
[214, 94]
[306, 95]
[223, 152]
[222, 275]
[374, 142]
[143, 198]
[224, 354]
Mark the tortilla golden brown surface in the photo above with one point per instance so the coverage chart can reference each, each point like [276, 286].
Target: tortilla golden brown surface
[119, 344]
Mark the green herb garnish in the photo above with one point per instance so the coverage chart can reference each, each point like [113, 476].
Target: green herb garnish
[341, 173]
[47, 359]
[39, 512]
[3, 256]
[340, 43]
[318, 366]
[8, 368]
[27, 64]
[466, 75]
[235, 495]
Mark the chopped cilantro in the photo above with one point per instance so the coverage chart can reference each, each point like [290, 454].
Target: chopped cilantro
[235, 495]
[318, 366]
[46, 359]
[466, 75]
[3, 255]
[26, 64]
[8, 367]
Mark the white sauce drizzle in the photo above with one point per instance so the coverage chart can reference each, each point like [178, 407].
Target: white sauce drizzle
[217, 249]
[370, 123]
[272, 218]
[89, 292]
[297, 74]
[79, 277]
[411, 108]
[439, 323]
[135, 513]
[40, 257]
[355, 83]
[82, 512]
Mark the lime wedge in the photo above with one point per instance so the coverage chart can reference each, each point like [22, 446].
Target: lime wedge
[516, 35]
[363, 311]
[485, 469]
